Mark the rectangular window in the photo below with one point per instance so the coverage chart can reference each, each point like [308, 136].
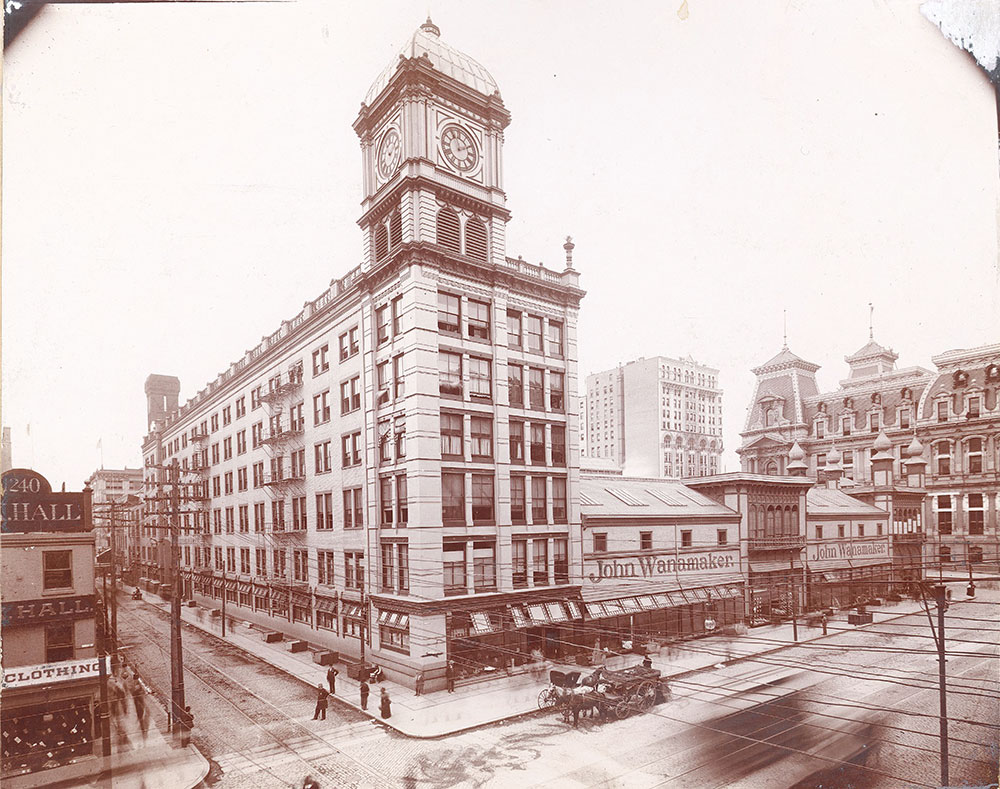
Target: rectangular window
[277, 516]
[480, 379]
[230, 559]
[513, 329]
[557, 398]
[452, 435]
[321, 457]
[300, 561]
[481, 429]
[976, 514]
[321, 407]
[450, 374]
[57, 570]
[840, 531]
[904, 417]
[874, 422]
[241, 407]
[555, 339]
[382, 324]
[227, 448]
[398, 379]
[324, 510]
[453, 498]
[686, 538]
[820, 428]
[241, 479]
[245, 561]
[326, 562]
[219, 563]
[350, 449]
[484, 566]
[449, 313]
[536, 388]
[454, 568]
[259, 510]
[388, 567]
[974, 456]
[645, 541]
[397, 316]
[515, 385]
[59, 644]
[861, 530]
[559, 512]
[537, 447]
[539, 512]
[973, 412]
[215, 453]
[350, 395]
[260, 556]
[244, 518]
[540, 562]
[560, 559]
[300, 517]
[845, 425]
[482, 499]
[353, 509]
[320, 361]
[215, 422]
[479, 320]
[519, 561]
[386, 500]
[228, 478]
[558, 434]
[517, 442]
[518, 513]
[942, 411]
[819, 532]
[533, 330]
[402, 503]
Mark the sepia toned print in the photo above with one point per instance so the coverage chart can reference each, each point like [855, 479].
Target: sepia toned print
[448, 428]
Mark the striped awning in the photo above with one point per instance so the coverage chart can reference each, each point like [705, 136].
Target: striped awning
[520, 618]
[697, 595]
[631, 605]
[556, 612]
[574, 609]
[481, 623]
[303, 599]
[243, 587]
[351, 610]
[231, 584]
[326, 604]
[394, 619]
[279, 597]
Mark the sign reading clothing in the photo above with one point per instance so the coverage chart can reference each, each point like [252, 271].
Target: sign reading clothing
[842, 551]
[663, 568]
[25, 676]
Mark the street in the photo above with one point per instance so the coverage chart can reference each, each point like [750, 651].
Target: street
[856, 709]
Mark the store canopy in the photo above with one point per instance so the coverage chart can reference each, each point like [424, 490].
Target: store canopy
[351, 610]
[326, 604]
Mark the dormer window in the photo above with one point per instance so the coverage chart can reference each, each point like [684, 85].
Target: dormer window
[845, 425]
[769, 417]
[874, 422]
[903, 417]
[942, 411]
[973, 410]
[821, 428]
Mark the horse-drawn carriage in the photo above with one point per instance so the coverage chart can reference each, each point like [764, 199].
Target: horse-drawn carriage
[617, 693]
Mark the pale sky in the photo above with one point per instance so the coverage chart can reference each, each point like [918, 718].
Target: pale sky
[180, 177]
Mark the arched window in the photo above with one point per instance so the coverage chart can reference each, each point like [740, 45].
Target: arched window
[771, 469]
[381, 241]
[769, 524]
[395, 230]
[475, 239]
[786, 525]
[448, 230]
[768, 417]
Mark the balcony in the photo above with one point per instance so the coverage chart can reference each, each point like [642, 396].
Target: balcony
[792, 542]
[198, 435]
[282, 478]
[909, 537]
[275, 437]
[283, 387]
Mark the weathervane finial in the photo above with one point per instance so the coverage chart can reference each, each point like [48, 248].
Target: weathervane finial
[871, 321]
[784, 321]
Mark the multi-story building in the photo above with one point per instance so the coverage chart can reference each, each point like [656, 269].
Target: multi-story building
[109, 486]
[656, 417]
[396, 468]
[953, 413]
[51, 669]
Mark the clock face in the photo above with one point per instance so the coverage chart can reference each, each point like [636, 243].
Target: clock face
[459, 148]
[390, 152]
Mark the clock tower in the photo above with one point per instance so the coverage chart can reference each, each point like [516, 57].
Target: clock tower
[431, 131]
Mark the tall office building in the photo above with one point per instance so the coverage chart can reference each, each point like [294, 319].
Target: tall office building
[656, 417]
[395, 470]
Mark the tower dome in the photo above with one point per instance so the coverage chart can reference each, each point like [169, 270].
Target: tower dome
[915, 449]
[426, 42]
[797, 465]
[833, 457]
[882, 444]
[796, 453]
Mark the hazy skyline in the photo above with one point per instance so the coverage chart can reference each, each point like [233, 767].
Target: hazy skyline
[179, 178]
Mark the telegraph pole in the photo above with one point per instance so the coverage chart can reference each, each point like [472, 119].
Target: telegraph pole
[223, 603]
[176, 657]
[939, 597]
[791, 584]
[114, 590]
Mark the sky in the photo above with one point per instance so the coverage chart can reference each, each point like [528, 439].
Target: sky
[178, 178]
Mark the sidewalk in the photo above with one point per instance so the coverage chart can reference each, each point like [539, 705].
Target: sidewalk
[439, 714]
[137, 761]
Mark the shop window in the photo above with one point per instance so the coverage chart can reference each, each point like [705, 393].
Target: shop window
[59, 642]
[57, 570]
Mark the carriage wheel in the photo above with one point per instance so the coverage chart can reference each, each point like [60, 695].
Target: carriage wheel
[546, 698]
[622, 709]
[646, 695]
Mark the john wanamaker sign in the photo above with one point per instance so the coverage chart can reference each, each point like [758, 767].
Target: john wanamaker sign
[663, 567]
[868, 550]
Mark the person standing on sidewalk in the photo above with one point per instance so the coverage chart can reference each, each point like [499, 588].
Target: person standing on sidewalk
[331, 677]
[186, 722]
[321, 701]
[419, 683]
[385, 704]
[449, 675]
[364, 694]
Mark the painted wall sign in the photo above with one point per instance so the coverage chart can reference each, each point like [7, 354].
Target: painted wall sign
[662, 568]
[25, 676]
[843, 550]
[29, 505]
[31, 612]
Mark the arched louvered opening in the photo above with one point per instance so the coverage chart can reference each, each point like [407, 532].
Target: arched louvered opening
[395, 230]
[448, 231]
[381, 241]
[475, 239]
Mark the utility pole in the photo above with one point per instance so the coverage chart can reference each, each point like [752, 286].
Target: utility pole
[939, 597]
[791, 584]
[176, 657]
[223, 602]
[114, 590]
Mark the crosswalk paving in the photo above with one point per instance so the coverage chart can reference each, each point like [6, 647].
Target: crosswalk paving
[307, 747]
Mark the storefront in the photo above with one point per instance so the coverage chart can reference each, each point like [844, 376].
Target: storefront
[841, 573]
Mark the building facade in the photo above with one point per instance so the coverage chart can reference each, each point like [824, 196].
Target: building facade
[109, 486]
[396, 468]
[51, 669]
[656, 417]
[953, 413]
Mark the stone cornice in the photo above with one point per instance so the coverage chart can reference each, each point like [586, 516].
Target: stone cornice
[383, 205]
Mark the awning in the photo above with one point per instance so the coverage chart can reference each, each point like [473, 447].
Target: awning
[243, 587]
[394, 619]
[697, 595]
[595, 610]
[481, 623]
[647, 603]
[326, 604]
[631, 605]
[537, 613]
[574, 609]
[614, 608]
[662, 601]
[231, 584]
[729, 590]
[351, 610]
[303, 599]
[556, 612]
[677, 598]
[520, 618]
[279, 597]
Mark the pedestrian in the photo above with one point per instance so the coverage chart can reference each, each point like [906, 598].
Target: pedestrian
[321, 701]
[449, 675]
[138, 694]
[385, 704]
[331, 677]
[186, 722]
[647, 662]
[364, 694]
[310, 783]
[419, 684]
